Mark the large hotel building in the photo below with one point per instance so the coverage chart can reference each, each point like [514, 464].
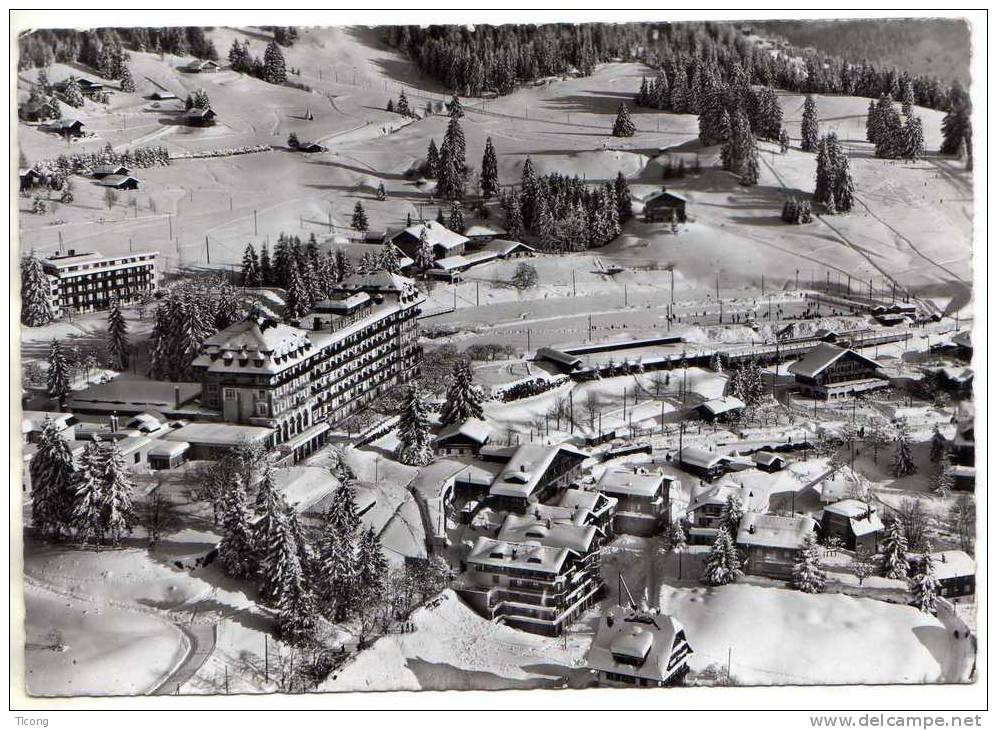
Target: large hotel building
[297, 380]
[87, 282]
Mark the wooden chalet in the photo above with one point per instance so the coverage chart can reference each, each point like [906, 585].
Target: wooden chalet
[770, 543]
[198, 117]
[463, 439]
[829, 372]
[639, 648]
[855, 523]
[119, 182]
[665, 206]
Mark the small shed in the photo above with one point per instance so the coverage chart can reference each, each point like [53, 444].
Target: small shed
[168, 454]
[67, 127]
[769, 461]
[199, 65]
[956, 573]
[720, 408]
[198, 117]
[119, 182]
[310, 147]
[30, 178]
[665, 206]
[160, 95]
[463, 439]
[102, 171]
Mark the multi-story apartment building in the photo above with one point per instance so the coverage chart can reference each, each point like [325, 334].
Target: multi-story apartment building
[536, 575]
[300, 381]
[87, 282]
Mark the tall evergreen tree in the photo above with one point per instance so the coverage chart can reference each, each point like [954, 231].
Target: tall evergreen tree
[731, 515]
[463, 399]
[274, 67]
[338, 566]
[924, 585]
[456, 222]
[453, 158]
[624, 205]
[402, 106]
[250, 267]
[623, 126]
[36, 303]
[903, 458]
[424, 255]
[957, 130]
[266, 269]
[359, 222]
[53, 483]
[489, 171]
[722, 563]
[236, 551]
[808, 574]
[117, 337]
[57, 377]
[808, 128]
[895, 564]
[298, 302]
[88, 507]
[433, 159]
[413, 430]
[117, 510]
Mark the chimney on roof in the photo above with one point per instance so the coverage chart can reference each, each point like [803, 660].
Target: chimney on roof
[522, 467]
[751, 529]
[71, 252]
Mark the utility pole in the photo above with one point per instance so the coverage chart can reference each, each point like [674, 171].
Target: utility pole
[130, 245]
[625, 300]
[256, 228]
[574, 290]
[60, 241]
[169, 217]
[477, 294]
[207, 250]
[528, 347]
[590, 328]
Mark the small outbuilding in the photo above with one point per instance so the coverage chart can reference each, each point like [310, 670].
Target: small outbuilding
[168, 454]
[102, 171]
[855, 523]
[463, 439]
[200, 117]
[67, 127]
[119, 182]
[665, 206]
[201, 66]
[769, 461]
[161, 95]
[704, 464]
[720, 409]
[30, 178]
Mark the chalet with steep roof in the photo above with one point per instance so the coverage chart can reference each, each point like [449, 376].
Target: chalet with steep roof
[829, 372]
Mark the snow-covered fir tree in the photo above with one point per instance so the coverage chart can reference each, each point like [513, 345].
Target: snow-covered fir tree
[251, 267]
[722, 563]
[88, 507]
[433, 160]
[463, 399]
[783, 141]
[895, 564]
[944, 481]
[489, 171]
[53, 483]
[269, 533]
[388, 260]
[808, 574]
[127, 82]
[266, 267]
[274, 67]
[456, 221]
[924, 585]
[624, 125]
[57, 377]
[624, 203]
[36, 304]
[359, 222]
[809, 127]
[297, 612]
[903, 458]
[372, 567]
[117, 337]
[957, 130]
[939, 444]
[414, 437]
[118, 511]
[236, 551]
[338, 566]
[402, 106]
[676, 535]
[71, 93]
[453, 159]
[424, 255]
[731, 515]
[297, 302]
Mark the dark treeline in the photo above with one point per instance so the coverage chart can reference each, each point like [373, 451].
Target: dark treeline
[41, 48]
[500, 58]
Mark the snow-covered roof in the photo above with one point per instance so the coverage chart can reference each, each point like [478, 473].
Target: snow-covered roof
[957, 375]
[436, 233]
[561, 358]
[527, 467]
[452, 263]
[169, 448]
[533, 556]
[483, 229]
[35, 420]
[718, 406]
[377, 281]
[953, 564]
[113, 181]
[694, 456]
[862, 518]
[762, 530]
[562, 533]
[664, 194]
[473, 428]
[254, 346]
[504, 247]
[768, 458]
[111, 170]
[717, 494]
[647, 641]
[630, 483]
[963, 339]
[822, 357]
[218, 434]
